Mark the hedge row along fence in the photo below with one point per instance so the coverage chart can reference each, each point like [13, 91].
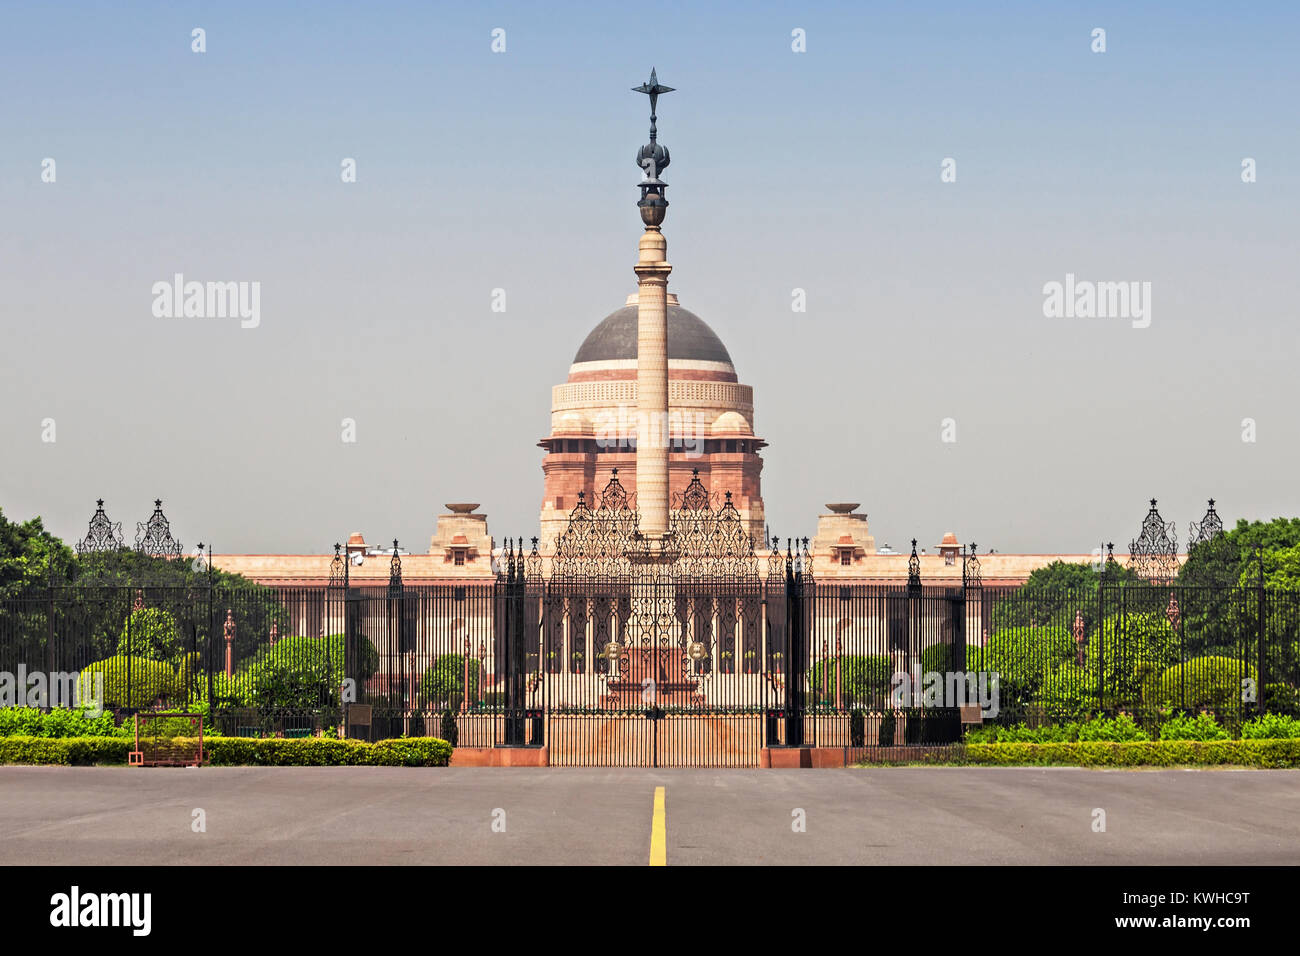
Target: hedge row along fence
[237, 751]
[1264, 754]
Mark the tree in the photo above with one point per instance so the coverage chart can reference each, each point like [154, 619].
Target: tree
[443, 683]
[183, 588]
[1281, 570]
[863, 679]
[1053, 594]
[1223, 560]
[27, 552]
[150, 632]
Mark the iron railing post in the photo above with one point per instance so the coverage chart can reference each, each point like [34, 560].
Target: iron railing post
[1261, 598]
[49, 637]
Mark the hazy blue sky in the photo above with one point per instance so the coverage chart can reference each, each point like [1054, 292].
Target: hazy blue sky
[816, 170]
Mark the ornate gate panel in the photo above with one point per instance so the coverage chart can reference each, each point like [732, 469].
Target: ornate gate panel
[667, 653]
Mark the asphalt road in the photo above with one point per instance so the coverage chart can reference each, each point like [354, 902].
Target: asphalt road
[390, 815]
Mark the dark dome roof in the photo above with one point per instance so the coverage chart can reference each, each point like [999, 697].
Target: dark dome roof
[688, 338]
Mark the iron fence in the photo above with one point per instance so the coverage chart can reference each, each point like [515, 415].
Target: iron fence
[735, 664]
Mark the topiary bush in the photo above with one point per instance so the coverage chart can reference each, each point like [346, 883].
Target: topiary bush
[1213, 682]
[295, 672]
[1130, 650]
[444, 682]
[937, 658]
[132, 682]
[1200, 727]
[1024, 656]
[1069, 690]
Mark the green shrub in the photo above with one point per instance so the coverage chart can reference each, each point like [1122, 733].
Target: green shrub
[1282, 699]
[237, 751]
[981, 735]
[1200, 727]
[226, 691]
[1024, 656]
[1213, 682]
[1021, 733]
[1117, 729]
[413, 752]
[149, 682]
[937, 658]
[863, 680]
[22, 722]
[1133, 648]
[1069, 690]
[295, 672]
[328, 752]
[444, 682]
[1271, 727]
[150, 632]
[1138, 753]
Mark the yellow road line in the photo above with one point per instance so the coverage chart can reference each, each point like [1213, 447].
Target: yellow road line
[659, 832]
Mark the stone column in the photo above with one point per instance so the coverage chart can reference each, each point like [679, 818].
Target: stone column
[652, 436]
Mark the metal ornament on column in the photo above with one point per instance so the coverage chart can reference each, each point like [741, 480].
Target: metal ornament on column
[102, 535]
[1154, 553]
[154, 537]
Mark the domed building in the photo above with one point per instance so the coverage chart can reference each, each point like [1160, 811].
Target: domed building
[710, 423]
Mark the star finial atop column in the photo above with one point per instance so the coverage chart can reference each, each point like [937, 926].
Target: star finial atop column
[653, 158]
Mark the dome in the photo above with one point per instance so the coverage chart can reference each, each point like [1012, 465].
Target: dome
[689, 337]
[731, 423]
[572, 423]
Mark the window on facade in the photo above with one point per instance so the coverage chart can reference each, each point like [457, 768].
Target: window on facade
[846, 558]
[949, 558]
[459, 558]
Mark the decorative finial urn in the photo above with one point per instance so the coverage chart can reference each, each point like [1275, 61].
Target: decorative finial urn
[653, 159]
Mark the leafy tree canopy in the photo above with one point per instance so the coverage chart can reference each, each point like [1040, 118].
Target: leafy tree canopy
[1281, 569]
[1052, 594]
[26, 553]
[1227, 559]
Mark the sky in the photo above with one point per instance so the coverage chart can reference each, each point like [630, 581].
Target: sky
[820, 170]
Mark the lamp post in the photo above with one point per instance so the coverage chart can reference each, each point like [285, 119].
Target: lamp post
[464, 688]
[826, 667]
[482, 656]
[839, 657]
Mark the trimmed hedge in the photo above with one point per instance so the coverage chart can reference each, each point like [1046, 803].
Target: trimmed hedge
[1139, 753]
[78, 751]
[238, 751]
